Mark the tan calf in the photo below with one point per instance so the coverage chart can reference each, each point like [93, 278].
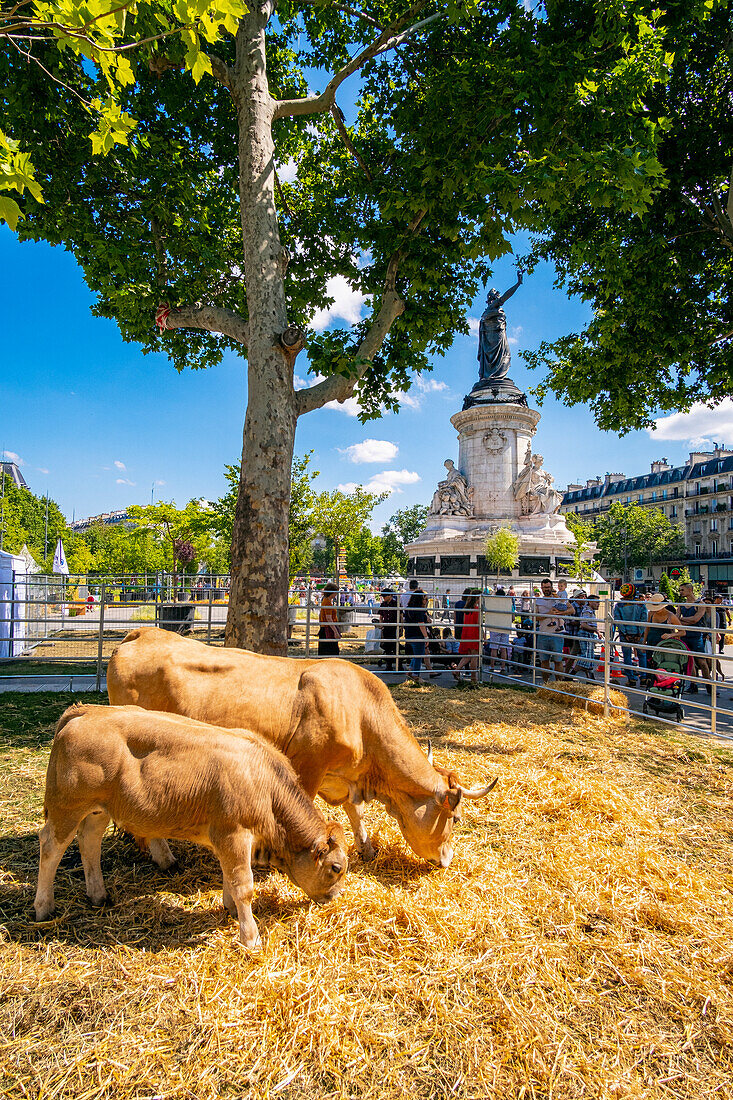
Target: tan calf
[163, 775]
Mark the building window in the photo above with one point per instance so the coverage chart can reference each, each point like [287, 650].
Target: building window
[697, 549]
[714, 547]
[713, 525]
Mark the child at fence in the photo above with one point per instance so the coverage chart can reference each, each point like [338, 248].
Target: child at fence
[329, 631]
[587, 632]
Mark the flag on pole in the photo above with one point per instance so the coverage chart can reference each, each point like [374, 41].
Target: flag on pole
[59, 559]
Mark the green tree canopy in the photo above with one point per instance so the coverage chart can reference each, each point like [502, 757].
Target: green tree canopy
[24, 521]
[470, 123]
[341, 517]
[364, 557]
[400, 529]
[502, 550]
[629, 536]
[185, 533]
[660, 281]
[108, 39]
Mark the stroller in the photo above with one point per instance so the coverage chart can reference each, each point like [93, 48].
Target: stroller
[665, 683]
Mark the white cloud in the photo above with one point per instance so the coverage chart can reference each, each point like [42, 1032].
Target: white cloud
[473, 324]
[514, 333]
[11, 456]
[700, 426]
[125, 481]
[288, 172]
[119, 465]
[347, 304]
[388, 481]
[42, 470]
[419, 391]
[159, 482]
[371, 450]
[350, 406]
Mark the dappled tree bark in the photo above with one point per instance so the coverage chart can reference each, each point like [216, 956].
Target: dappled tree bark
[258, 597]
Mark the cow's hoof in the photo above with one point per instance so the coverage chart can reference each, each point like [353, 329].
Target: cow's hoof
[44, 915]
[169, 868]
[368, 852]
[98, 900]
[251, 943]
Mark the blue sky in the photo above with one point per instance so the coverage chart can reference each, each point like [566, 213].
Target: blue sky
[99, 426]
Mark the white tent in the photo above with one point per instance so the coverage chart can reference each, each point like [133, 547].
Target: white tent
[31, 564]
[13, 571]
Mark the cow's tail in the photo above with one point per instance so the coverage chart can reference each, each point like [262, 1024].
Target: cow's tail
[74, 711]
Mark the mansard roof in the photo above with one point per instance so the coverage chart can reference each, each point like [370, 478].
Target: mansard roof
[651, 481]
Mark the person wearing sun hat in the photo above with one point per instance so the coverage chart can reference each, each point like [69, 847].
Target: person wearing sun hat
[630, 618]
[662, 625]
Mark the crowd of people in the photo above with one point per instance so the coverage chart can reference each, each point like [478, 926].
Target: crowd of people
[558, 630]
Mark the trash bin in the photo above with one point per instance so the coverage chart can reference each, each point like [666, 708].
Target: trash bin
[178, 617]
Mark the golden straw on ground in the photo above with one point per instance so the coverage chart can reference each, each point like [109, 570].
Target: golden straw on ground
[580, 945]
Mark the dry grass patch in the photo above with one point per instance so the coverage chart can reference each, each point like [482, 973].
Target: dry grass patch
[581, 944]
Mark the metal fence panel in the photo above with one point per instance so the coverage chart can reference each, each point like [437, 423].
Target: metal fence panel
[71, 626]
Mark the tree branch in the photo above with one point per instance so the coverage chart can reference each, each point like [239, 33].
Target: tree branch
[221, 72]
[337, 388]
[210, 319]
[358, 14]
[339, 120]
[390, 37]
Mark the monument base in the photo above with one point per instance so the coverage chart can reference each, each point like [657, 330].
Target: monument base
[494, 443]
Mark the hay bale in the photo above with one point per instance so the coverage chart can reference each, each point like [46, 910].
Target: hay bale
[587, 697]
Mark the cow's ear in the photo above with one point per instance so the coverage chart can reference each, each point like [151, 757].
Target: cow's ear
[452, 799]
[319, 848]
[336, 836]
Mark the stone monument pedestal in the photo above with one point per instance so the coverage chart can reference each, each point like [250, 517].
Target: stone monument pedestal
[502, 484]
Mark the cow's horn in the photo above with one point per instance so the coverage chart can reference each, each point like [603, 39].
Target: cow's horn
[479, 792]
[430, 752]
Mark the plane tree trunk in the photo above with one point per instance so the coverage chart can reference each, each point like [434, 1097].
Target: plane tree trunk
[257, 616]
[258, 596]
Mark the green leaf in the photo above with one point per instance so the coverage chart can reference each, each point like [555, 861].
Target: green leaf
[9, 211]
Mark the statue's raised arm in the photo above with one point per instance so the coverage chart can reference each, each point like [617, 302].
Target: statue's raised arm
[512, 289]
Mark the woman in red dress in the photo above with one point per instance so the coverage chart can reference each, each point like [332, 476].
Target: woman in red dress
[469, 648]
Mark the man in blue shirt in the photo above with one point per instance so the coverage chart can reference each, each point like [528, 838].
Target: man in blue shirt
[630, 618]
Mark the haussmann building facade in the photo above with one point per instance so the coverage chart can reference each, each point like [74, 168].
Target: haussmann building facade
[698, 497]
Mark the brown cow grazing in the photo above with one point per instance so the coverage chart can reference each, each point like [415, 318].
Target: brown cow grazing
[163, 775]
[337, 724]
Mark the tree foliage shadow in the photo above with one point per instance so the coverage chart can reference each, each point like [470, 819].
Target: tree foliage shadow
[136, 915]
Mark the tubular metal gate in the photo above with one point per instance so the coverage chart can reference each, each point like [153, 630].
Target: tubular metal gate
[61, 630]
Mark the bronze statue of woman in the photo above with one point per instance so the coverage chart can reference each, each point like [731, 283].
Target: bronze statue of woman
[493, 347]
